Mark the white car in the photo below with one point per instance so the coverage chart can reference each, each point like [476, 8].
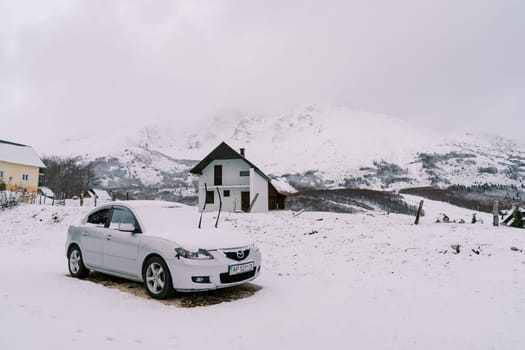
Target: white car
[159, 243]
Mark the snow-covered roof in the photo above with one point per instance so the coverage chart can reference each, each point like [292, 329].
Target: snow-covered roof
[101, 194]
[46, 191]
[19, 154]
[282, 186]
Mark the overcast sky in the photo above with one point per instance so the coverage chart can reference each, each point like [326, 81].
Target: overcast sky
[75, 65]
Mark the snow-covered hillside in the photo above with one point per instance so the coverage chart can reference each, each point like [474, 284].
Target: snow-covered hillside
[329, 281]
[323, 145]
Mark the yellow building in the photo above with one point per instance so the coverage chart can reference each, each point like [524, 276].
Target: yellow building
[19, 167]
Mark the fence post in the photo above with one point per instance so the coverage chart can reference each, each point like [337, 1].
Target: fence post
[418, 212]
[495, 212]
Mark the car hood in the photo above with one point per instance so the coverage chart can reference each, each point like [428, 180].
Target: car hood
[205, 238]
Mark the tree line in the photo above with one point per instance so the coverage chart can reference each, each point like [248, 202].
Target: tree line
[67, 176]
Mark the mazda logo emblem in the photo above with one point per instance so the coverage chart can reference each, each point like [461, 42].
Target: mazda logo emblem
[240, 254]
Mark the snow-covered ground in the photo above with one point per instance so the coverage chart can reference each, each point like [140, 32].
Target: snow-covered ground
[329, 280]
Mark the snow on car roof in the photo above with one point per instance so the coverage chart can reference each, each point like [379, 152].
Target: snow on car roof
[161, 216]
[152, 203]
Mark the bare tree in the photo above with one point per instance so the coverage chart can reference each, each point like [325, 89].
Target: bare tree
[67, 175]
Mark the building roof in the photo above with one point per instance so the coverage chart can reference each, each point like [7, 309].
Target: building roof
[101, 194]
[19, 154]
[11, 143]
[223, 151]
[46, 191]
[282, 186]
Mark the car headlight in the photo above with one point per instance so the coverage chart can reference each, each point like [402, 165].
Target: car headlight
[201, 254]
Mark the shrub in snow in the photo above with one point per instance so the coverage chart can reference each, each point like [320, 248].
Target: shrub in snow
[7, 200]
[2, 186]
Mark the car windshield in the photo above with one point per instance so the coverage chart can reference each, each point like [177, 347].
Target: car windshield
[166, 218]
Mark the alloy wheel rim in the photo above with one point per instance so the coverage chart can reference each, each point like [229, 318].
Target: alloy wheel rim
[155, 278]
[74, 261]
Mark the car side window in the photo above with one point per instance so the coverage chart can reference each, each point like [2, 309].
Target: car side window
[99, 218]
[123, 216]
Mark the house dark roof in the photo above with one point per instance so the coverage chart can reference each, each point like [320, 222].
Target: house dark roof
[12, 143]
[223, 151]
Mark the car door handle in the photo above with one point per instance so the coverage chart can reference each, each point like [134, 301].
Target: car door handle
[84, 233]
[108, 237]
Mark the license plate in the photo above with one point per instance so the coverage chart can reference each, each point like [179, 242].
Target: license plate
[241, 268]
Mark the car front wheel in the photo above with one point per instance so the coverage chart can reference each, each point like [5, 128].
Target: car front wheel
[76, 264]
[157, 278]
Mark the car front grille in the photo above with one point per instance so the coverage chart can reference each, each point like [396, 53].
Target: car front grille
[226, 278]
[238, 255]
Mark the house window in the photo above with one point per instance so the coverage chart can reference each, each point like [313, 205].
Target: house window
[25, 177]
[244, 173]
[217, 180]
[1, 174]
[226, 193]
[210, 197]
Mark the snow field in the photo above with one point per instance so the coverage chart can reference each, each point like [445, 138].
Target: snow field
[369, 281]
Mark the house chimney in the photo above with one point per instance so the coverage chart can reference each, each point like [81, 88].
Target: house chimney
[242, 152]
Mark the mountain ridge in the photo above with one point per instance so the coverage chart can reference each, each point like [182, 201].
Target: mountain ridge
[318, 146]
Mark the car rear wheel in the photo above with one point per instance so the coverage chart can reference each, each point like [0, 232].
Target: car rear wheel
[157, 278]
[76, 264]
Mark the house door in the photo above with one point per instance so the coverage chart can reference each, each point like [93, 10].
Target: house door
[245, 201]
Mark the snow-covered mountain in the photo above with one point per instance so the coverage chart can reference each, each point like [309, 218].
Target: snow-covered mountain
[316, 146]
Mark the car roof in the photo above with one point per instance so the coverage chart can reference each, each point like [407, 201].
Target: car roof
[135, 204]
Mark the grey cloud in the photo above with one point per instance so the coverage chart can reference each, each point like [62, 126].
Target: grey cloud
[106, 63]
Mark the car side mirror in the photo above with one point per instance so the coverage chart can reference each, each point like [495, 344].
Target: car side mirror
[126, 227]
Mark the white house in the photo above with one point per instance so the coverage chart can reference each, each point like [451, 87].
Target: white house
[241, 185]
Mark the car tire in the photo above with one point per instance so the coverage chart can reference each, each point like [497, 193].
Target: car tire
[75, 263]
[157, 278]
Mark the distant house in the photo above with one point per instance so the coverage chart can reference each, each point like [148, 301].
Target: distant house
[99, 194]
[21, 169]
[46, 191]
[240, 183]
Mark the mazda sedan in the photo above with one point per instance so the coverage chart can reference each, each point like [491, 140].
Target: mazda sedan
[159, 243]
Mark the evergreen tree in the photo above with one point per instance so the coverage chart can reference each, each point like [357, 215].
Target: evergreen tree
[518, 218]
